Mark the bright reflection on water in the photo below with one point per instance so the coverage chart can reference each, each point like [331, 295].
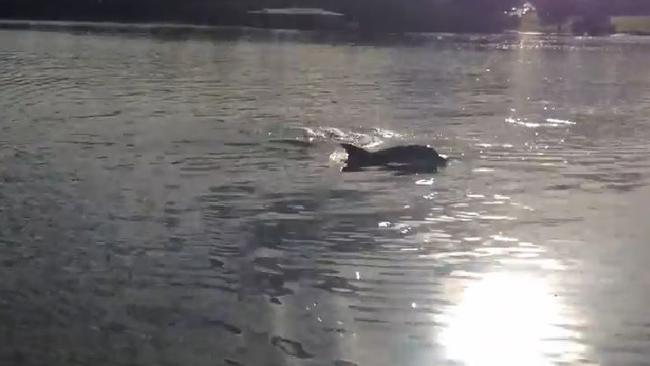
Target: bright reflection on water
[508, 319]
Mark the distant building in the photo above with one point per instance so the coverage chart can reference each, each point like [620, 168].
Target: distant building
[529, 21]
[297, 18]
[525, 8]
[638, 24]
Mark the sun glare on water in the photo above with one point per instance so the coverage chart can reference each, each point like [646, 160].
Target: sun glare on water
[509, 320]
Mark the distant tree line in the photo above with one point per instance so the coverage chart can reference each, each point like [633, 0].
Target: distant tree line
[188, 11]
[375, 15]
[431, 15]
[371, 15]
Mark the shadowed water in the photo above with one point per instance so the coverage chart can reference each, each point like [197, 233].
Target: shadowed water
[180, 202]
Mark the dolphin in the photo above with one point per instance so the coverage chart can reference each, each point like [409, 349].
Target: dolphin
[405, 159]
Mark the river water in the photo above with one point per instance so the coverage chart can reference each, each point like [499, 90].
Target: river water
[179, 200]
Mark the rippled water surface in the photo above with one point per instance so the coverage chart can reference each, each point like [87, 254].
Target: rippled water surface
[168, 201]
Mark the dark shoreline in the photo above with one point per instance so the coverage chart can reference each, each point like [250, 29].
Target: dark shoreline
[221, 32]
[237, 32]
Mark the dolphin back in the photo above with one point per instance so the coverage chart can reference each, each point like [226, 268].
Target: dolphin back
[417, 157]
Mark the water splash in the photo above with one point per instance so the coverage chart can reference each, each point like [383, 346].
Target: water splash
[366, 138]
[548, 122]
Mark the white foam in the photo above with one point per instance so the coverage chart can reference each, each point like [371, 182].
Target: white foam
[548, 122]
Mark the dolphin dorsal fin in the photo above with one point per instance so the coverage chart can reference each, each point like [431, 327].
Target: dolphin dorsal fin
[354, 150]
